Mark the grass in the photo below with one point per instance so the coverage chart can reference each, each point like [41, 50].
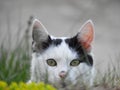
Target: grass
[15, 63]
[15, 67]
[110, 79]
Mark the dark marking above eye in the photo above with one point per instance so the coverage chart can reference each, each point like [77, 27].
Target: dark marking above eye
[75, 45]
[56, 41]
[90, 60]
[47, 43]
[50, 41]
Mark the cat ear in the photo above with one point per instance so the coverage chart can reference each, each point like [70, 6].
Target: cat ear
[86, 35]
[39, 35]
[39, 32]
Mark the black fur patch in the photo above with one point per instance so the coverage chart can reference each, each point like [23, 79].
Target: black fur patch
[41, 46]
[56, 41]
[75, 45]
[46, 43]
[90, 60]
[50, 41]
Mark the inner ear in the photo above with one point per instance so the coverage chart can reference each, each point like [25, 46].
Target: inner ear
[41, 38]
[86, 35]
[39, 32]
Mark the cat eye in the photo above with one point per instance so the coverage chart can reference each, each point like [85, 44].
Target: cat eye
[51, 62]
[75, 62]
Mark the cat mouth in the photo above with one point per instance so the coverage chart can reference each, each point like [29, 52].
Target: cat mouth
[63, 84]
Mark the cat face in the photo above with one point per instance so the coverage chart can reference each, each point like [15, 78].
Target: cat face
[61, 60]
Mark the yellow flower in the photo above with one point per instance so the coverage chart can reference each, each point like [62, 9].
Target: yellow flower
[13, 86]
[49, 87]
[24, 86]
[3, 85]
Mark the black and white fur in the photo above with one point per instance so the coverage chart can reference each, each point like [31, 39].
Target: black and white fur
[62, 50]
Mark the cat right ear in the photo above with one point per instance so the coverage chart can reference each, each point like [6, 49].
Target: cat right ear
[39, 35]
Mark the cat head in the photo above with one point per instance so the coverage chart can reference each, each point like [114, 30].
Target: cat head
[63, 59]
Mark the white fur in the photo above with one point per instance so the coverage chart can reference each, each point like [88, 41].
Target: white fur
[63, 56]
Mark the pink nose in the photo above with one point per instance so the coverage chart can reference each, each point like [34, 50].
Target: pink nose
[62, 74]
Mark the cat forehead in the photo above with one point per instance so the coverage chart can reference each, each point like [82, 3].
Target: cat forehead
[61, 45]
[71, 42]
[59, 49]
[58, 40]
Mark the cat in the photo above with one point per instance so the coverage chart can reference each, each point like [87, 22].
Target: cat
[62, 60]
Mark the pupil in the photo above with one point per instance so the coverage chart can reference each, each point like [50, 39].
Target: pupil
[74, 62]
[51, 62]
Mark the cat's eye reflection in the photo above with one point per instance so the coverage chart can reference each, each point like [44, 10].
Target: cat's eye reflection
[75, 62]
[51, 62]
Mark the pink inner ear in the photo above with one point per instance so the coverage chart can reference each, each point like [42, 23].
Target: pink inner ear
[36, 24]
[86, 35]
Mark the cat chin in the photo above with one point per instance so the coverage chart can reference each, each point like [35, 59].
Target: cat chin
[61, 83]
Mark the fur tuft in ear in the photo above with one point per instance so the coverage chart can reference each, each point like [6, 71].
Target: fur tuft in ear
[39, 35]
[86, 35]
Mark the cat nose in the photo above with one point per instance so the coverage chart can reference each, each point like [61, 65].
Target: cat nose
[62, 74]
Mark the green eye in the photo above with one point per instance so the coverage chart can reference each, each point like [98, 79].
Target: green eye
[51, 62]
[75, 62]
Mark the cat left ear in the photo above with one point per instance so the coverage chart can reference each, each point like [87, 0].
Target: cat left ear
[39, 35]
[39, 32]
[86, 35]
